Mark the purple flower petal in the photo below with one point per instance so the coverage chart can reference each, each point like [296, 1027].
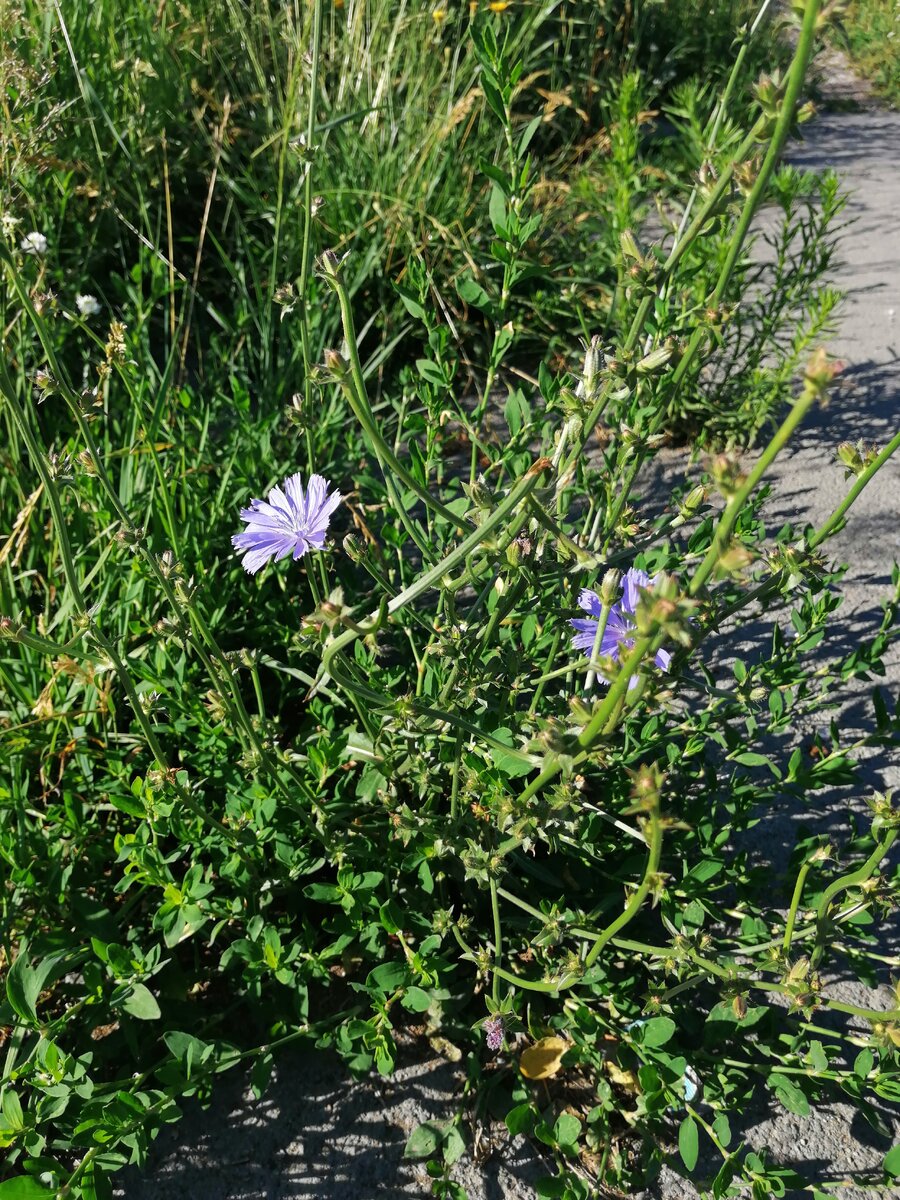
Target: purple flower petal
[292, 521]
[590, 602]
[634, 579]
[618, 636]
[493, 1032]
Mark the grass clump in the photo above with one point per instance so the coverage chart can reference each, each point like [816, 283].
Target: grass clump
[870, 32]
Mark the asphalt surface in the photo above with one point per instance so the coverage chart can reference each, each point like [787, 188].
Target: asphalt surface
[317, 1133]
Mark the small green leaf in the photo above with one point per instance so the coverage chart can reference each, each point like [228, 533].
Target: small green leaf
[520, 1119]
[497, 212]
[326, 892]
[863, 1064]
[688, 1143]
[891, 1162]
[817, 1056]
[24, 1187]
[454, 1145]
[789, 1094]
[141, 1003]
[424, 1140]
[388, 976]
[567, 1129]
[473, 293]
[656, 1032]
[722, 1129]
[416, 999]
[493, 97]
[530, 130]
[12, 1111]
[25, 982]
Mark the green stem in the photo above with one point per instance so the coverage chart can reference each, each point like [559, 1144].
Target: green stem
[859, 876]
[835, 521]
[523, 487]
[735, 503]
[498, 942]
[795, 904]
[634, 904]
[603, 620]
[358, 398]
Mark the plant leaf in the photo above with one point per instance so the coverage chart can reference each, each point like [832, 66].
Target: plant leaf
[543, 1059]
[688, 1143]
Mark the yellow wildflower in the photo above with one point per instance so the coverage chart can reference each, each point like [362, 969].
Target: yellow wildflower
[439, 15]
[499, 5]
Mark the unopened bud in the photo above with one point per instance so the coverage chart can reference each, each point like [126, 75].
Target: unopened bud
[479, 493]
[692, 501]
[654, 361]
[610, 587]
[329, 265]
[353, 548]
[734, 560]
[593, 364]
[820, 370]
[726, 471]
[130, 535]
[335, 364]
[646, 784]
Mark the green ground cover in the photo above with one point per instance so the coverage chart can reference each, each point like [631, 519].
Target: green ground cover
[870, 33]
[474, 265]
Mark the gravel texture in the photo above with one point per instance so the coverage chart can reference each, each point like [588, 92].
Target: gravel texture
[319, 1134]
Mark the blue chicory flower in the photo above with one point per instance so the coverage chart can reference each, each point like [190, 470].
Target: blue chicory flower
[293, 521]
[618, 636]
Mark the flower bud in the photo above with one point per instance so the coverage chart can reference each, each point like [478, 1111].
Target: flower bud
[630, 246]
[725, 470]
[593, 364]
[610, 587]
[335, 364]
[329, 265]
[167, 564]
[44, 381]
[353, 548]
[646, 784]
[734, 560]
[818, 375]
[654, 361]
[130, 536]
[479, 493]
[692, 501]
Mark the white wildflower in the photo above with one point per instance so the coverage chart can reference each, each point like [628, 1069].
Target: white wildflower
[88, 306]
[8, 224]
[34, 243]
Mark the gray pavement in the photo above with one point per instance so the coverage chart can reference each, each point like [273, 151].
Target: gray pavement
[318, 1133]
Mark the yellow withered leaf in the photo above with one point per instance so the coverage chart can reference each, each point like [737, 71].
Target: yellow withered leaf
[625, 1079]
[543, 1059]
